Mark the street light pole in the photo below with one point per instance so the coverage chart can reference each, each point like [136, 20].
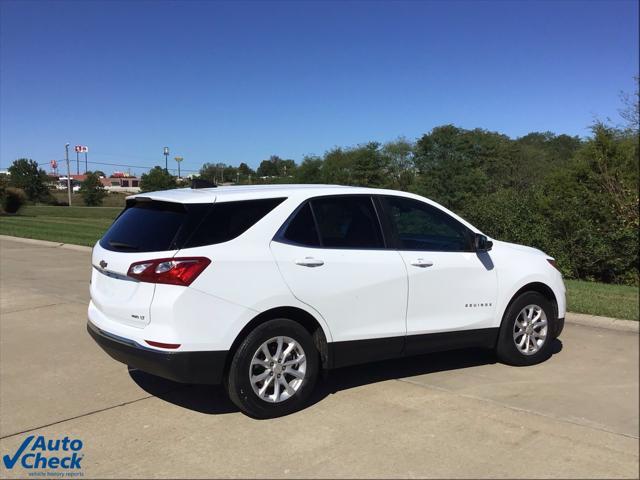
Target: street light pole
[86, 169]
[66, 149]
[179, 159]
[77, 162]
[166, 159]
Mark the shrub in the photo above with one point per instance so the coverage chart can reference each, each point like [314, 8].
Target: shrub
[92, 190]
[26, 175]
[13, 199]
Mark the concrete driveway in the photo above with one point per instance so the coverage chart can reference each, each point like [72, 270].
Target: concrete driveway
[454, 414]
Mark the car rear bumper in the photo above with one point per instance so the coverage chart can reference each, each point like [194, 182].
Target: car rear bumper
[184, 367]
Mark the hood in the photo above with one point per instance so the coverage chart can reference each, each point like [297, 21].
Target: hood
[520, 248]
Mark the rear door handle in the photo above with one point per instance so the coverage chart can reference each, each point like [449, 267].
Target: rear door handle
[422, 263]
[310, 262]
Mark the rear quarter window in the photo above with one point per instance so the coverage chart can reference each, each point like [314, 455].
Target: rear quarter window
[228, 220]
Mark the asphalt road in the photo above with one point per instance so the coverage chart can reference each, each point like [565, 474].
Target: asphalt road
[456, 414]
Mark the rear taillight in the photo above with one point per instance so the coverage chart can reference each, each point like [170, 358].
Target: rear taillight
[171, 271]
[552, 262]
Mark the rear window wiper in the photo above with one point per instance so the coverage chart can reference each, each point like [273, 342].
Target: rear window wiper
[123, 246]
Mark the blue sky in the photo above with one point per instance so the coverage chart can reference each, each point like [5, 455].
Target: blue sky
[239, 81]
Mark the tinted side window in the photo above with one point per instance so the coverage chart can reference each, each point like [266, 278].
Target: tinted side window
[145, 227]
[347, 222]
[228, 220]
[422, 227]
[302, 228]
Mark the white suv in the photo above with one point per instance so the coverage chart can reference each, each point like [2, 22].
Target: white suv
[259, 287]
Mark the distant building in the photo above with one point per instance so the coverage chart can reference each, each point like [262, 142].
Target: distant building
[119, 183]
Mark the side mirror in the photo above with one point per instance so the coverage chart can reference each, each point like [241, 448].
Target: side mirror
[482, 243]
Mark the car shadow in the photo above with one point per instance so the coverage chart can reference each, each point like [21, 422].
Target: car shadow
[213, 400]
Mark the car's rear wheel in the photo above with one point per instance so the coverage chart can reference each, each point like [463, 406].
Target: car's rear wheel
[525, 334]
[274, 370]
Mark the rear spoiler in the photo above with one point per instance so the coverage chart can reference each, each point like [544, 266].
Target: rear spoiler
[202, 183]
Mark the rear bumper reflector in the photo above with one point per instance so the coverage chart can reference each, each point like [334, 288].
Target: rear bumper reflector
[171, 346]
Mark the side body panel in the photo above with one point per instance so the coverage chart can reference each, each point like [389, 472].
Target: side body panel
[362, 294]
[518, 266]
[457, 292]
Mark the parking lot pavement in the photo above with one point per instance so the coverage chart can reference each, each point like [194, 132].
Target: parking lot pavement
[455, 414]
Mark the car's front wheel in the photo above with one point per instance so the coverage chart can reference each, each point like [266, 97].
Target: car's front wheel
[274, 370]
[526, 330]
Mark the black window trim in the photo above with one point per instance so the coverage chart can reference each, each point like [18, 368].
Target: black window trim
[279, 236]
[395, 239]
[205, 216]
[195, 215]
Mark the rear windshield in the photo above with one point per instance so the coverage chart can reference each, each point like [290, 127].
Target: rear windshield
[152, 226]
[145, 227]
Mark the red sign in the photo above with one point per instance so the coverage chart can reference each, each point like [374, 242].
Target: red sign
[81, 149]
[54, 164]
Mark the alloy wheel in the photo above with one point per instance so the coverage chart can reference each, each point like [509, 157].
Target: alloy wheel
[530, 329]
[277, 369]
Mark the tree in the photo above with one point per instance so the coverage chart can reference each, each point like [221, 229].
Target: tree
[245, 170]
[218, 173]
[92, 190]
[210, 173]
[25, 174]
[370, 166]
[631, 110]
[269, 168]
[337, 167]
[157, 179]
[451, 166]
[275, 166]
[400, 161]
[310, 170]
[286, 168]
[100, 173]
[593, 206]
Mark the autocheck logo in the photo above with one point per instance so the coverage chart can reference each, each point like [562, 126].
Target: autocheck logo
[39, 453]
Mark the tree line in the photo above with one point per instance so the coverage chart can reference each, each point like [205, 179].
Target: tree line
[576, 199]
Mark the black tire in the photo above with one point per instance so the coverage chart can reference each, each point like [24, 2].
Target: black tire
[238, 382]
[506, 349]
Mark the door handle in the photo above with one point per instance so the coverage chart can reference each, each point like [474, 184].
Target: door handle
[422, 263]
[310, 262]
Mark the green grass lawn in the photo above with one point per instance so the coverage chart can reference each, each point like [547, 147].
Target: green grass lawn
[618, 301]
[113, 199]
[79, 225]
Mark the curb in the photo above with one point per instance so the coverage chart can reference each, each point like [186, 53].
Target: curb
[603, 322]
[47, 243]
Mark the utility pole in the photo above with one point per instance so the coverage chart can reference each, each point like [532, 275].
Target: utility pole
[77, 162]
[166, 159]
[179, 159]
[86, 169]
[66, 148]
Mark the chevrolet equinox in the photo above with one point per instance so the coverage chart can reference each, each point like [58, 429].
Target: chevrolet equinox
[260, 287]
